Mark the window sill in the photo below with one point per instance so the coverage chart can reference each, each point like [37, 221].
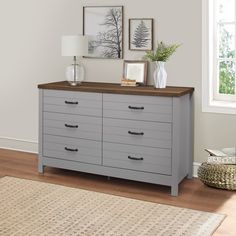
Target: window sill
[220, 107]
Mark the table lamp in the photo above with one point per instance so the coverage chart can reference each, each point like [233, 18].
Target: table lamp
[75, 46]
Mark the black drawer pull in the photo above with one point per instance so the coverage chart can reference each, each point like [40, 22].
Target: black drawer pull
[73, 103]
[71, 126]
[135, 133]
[136, 108]
[71, 150]
[136, 158]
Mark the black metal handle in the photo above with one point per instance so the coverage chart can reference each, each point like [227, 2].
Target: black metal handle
[71, 149]
[136, 158]
[135, 133]
[71, 126]
[73, 103]
[136, 108]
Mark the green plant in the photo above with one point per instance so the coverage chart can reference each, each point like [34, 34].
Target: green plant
[162, 53]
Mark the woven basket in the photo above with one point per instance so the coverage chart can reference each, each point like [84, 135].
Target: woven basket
[218, 175]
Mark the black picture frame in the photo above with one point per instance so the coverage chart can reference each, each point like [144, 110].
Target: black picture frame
[104, 27]
[141, 34]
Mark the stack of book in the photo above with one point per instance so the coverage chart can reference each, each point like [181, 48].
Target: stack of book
[128, 82]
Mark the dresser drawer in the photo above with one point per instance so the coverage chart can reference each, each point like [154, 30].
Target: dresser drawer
[147, 108]
[152, 134]
[74, 126]
[138, 158]
[73, 102]
[80, 150]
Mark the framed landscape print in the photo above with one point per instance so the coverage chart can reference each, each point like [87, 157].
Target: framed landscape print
[141, 34]
[104, 27]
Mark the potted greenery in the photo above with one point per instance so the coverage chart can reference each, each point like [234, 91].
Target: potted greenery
[160, 56]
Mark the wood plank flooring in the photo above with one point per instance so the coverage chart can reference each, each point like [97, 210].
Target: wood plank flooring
[193, 194]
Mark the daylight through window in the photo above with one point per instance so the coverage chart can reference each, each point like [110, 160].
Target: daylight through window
[219, 56]
[224, 66]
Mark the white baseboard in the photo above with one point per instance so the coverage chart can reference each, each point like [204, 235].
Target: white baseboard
[195, 168]
[18, 145]
[31, 146]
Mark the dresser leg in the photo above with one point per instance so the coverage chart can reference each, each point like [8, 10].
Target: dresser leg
[174, 190]
[40, 167]
[190, 175]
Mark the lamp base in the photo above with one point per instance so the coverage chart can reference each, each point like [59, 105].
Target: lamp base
[75, 74]
[74, 83]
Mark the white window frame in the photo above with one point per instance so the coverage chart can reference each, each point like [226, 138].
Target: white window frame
[209, 79]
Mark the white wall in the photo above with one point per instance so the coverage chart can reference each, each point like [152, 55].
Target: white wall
[30, 54]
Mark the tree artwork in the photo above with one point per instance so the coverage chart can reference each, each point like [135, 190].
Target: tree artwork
[141, 35]
[103, 25]
[111, 39]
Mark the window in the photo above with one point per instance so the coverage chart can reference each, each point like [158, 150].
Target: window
[219, 57]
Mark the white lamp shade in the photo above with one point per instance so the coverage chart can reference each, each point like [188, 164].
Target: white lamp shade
[74, 45]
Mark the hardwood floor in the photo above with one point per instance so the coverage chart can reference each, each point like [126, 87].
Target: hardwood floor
[193, 194]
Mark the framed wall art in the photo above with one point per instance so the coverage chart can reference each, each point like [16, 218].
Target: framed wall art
[135, 70]
[141, 34]
[104, 27]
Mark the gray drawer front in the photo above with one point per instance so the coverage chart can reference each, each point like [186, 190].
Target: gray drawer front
[75, 126]
[60, 101]
[123, 106]
[155, 160]
[154, 134]
[88, 151]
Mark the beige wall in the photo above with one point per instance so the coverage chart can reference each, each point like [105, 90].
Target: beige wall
[30, 54]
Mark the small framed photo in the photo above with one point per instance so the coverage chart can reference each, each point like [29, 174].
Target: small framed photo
[104, 27]
[141, 34]
[135, 70]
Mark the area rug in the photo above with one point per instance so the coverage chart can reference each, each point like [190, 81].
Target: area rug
[34, 208]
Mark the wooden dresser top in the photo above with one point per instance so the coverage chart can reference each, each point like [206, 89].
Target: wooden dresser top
[118, 89]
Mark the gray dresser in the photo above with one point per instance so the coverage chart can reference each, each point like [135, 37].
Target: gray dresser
[137, 133]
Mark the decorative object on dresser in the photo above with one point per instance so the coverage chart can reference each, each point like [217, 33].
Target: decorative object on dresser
[141, 34]
[104, 26]
[160, 56]
[74, 45]
[128, 82]
[135, 70]
[138, 133]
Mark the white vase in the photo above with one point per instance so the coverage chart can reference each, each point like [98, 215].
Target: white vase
[160, 75]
